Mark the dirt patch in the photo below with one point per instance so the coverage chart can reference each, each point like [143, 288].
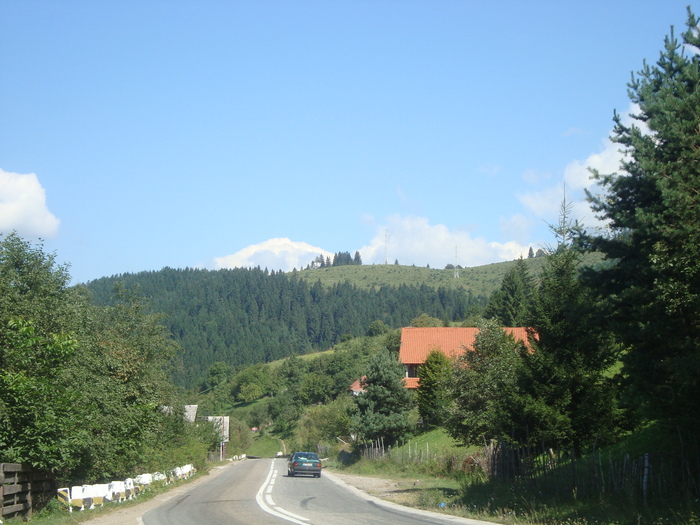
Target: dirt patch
[401, 491]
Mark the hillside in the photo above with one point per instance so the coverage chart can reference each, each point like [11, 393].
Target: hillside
[479, 280]
[246, 316]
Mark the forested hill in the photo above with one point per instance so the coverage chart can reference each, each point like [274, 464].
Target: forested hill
[246, 316]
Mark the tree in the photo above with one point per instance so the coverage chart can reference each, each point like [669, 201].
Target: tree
[120, 368]
[37, 341]
[383, 410]
[432, 394]
[33, 287]
[322, 424]
[483, 387]
[35, 403]
[652, 279]
[377, 328]
[425, 321]
[511, 304]
[219, 373]
[357, 259]
[566, 399]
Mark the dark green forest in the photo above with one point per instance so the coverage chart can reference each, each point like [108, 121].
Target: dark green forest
[247, 316]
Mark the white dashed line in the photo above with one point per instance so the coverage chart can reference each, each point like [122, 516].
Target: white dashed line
[269, 506]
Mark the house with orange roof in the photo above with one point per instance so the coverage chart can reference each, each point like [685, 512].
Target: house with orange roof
[356, 388]
[417, 343]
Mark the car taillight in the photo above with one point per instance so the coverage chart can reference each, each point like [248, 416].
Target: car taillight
[295, 464]
[320, 465]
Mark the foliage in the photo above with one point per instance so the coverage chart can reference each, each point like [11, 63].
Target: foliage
[511, 304]
[377, 327]
[240, 435]
[64, 360]
[392, 341]
[651, 204]
[432, 396]
[322, 424]
[383, 410]
[425, 321]
[566, 397]
[120, 370]
[483, 387]
[35, 403]
[246, 316]
[33, 287]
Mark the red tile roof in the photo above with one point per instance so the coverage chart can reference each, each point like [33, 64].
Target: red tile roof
[411, 382]
[417, 343]
[356, 387]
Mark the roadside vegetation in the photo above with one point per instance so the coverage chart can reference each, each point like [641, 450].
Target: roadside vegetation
[593, 420]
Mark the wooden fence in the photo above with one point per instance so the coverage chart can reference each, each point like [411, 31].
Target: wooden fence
[598, 474]
[24, 489]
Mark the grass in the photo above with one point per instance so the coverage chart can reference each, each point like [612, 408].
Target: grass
[424, 482]
[265, 445]
[480, 280]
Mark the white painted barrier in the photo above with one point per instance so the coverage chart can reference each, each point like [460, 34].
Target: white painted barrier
[82, 496]
[76, 497]
[118, 491]
[100, 493]
[129, 487]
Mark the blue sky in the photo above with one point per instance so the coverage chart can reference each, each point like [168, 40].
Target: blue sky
[141, 134]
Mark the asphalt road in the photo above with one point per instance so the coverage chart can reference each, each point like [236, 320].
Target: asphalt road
[259, 492]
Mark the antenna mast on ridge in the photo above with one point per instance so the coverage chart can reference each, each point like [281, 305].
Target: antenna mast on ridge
[456, 272]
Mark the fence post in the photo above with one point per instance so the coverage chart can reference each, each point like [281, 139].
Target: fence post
[645, 478]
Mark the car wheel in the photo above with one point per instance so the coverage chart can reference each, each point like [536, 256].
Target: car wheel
[290, 473]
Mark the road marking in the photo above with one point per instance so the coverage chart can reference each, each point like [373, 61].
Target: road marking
[273, 509]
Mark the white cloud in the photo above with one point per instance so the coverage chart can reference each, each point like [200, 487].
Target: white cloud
[517, 227]
[23, 206]
[408, 239]
[412, 240]
[274, 254]
[545, 204]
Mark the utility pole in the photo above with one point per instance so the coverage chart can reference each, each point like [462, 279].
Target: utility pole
[456, 271]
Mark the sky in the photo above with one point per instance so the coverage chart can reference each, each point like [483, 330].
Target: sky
[137, 135]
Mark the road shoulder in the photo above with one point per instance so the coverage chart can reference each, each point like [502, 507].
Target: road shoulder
[378, 490]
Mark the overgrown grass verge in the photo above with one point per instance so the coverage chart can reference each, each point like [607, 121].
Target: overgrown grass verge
[431, 481]
[265, 445]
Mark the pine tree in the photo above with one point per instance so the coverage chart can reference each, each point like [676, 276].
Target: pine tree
[652, 204]
[432, 394]
[382, 411]
[566, 400]
[511, 304]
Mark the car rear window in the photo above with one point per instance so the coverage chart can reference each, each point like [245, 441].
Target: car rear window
[306, 455]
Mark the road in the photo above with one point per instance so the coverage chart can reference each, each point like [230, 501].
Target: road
[259, 492]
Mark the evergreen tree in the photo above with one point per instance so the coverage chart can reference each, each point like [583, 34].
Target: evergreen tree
[382, 411]
[652, 281]
[432, 394]
[511, 304]
[357, 259]
[566, 399]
